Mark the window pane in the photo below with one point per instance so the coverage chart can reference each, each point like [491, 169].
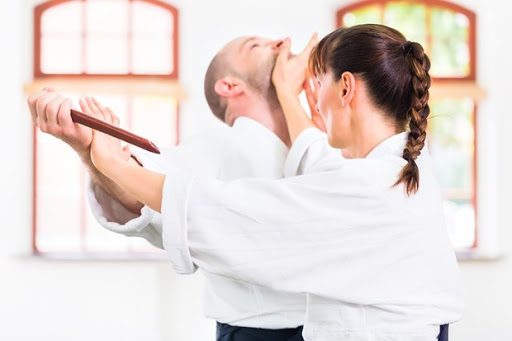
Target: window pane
[152, 39]
[58, 196]
[154, 118]
[450, 43]
[365, 15]
[61, 55]
[118, 104]
[58, 168]
[460, 222]
[107, 36]
[58, 223]
[409, 19]
[107, 16]
[451, 142]
[148, 18]
[64, 18]
[107, 54]
[152, 54]
[98, 239]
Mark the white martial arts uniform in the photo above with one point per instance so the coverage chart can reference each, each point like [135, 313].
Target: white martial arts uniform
[248, 149]
[377, 265]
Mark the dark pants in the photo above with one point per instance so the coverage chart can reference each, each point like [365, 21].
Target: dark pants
[225, 332]
[443, 334]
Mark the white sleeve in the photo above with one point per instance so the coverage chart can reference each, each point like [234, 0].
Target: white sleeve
[113, 216]
[342, 234]
[311, 153]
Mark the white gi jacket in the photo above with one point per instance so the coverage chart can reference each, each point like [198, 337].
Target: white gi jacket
[248, 149]
[377, 265]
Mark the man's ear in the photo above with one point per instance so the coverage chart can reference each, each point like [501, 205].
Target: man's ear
[347, 84]
[229, 87]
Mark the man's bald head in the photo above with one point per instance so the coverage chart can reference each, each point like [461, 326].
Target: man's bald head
[219, 67]
[250, 60]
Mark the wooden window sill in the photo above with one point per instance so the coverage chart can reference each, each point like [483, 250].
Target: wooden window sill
[457, 89]
[110, 85]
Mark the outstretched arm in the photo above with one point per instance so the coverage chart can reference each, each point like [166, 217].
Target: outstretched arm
[138, 181]
[50, 112]
[108, 157]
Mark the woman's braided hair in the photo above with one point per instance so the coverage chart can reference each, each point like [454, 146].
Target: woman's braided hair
[395, 72]
[418, 114]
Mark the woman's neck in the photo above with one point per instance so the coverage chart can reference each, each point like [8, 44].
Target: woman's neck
[369, 134]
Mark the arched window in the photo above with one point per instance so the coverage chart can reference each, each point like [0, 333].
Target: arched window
[447, 32]
[106, 37]
[125, 52]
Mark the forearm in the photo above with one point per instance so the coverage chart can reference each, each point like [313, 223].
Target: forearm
[143, 185]
[296, 117]
[109, 186]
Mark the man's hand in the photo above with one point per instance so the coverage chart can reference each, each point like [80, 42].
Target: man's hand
[51, 112]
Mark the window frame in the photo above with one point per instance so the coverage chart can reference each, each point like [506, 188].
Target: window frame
[129, 84]
[39, 11]
[448, 85]
[429, 3]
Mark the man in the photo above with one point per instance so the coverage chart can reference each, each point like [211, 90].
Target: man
[239, 91]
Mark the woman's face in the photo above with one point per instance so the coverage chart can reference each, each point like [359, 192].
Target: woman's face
[334, 113]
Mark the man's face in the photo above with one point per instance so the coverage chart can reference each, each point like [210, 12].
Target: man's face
[254, 58]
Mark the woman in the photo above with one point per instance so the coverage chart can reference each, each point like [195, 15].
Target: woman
[364, 237]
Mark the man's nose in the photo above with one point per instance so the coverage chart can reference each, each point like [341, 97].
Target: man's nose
[276, 43]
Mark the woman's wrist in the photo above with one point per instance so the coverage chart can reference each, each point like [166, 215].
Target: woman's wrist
[295, 115]
[111, 166]
[285, 93]
[289, 103]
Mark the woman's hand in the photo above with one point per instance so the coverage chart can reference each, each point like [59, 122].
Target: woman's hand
[311, 90]
[289, 77]
[290, 73]
[113, 161]
[106, 151]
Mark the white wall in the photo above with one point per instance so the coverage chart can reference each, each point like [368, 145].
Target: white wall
[51, 300]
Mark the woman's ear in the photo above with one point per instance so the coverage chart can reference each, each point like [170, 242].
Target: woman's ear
[229, 87]
[347, 84]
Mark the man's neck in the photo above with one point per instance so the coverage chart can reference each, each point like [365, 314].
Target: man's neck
[272, 119]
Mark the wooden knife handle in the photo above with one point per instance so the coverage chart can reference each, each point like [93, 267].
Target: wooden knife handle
[96, 124]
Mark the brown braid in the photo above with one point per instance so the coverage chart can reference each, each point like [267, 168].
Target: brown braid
[417, 114]
[395, 73]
